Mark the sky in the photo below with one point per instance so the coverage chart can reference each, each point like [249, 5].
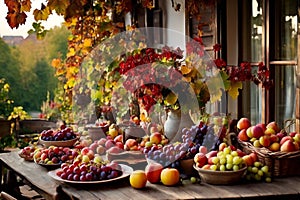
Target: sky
[53, 20]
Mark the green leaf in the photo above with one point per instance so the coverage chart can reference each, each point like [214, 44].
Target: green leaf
[234, 89]
[170, 99]
[227, 83]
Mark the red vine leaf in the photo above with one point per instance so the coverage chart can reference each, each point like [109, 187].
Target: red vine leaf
[14, 19]
[12, 5]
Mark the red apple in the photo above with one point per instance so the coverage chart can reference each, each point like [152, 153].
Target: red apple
[288, 146]
[109, 143]
[265, 140]
[281, 135]
[118, 138]
[153, 171]
[232, 147]
[200, 159]
[211, 154]
[94, 146]
[155, 138]
[286, 138]
[242, 135]
[257, 131]
[270, 131]
[203, 149]
[254, 157]
[221, 146]
[292, 134]
[274, 138]
[120, 145]
[243, 123]
[248, 160]
[240, 153]
[262, 125]
[274, 126]
[130, 144]
[85, 150]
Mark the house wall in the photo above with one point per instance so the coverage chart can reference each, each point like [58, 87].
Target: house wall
[174, 22]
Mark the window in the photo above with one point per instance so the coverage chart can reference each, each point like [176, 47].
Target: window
[271, 37]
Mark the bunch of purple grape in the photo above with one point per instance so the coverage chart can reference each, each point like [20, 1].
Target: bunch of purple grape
[64, 134]
[88, 172]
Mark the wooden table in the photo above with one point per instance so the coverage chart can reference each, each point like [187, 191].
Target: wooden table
[281, 188]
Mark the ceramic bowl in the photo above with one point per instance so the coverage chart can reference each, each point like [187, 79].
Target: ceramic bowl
[63, 143]
[221, 177]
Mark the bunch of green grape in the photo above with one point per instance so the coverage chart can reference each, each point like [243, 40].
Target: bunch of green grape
[258, 172]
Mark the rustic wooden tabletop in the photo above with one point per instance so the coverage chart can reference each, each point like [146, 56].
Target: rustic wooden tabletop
[38, 178]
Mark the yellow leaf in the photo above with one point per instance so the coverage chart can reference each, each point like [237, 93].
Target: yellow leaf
[55, 62]
[59, 6]
[234, 89]
[170, 99]
[25, 6]
[87, 42]
[71, 52]
[185, 70]
[41, 14]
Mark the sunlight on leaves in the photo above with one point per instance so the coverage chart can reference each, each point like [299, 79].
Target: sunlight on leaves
[234, 89]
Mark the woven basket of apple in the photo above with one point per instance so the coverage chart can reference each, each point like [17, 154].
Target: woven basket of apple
[275, 147]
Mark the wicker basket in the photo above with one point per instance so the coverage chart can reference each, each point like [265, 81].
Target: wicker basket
[281, 164]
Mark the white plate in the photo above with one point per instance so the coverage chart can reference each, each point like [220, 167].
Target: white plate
[126, 171]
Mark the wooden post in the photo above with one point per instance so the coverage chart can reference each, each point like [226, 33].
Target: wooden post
[298, 107]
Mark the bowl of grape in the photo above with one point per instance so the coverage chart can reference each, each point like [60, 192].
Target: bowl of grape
[63, 137]
[221, 177]
[220, 167]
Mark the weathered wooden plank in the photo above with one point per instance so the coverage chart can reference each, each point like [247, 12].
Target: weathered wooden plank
[32, 172]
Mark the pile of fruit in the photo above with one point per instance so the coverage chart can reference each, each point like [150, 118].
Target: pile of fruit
[270, 136]
[256, 170]
[62, 134]
[54, 155]
[87, 166]
[154, 173]
[229, 158]
[27, 152]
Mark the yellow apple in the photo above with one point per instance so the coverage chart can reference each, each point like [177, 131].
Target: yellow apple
[169, 176]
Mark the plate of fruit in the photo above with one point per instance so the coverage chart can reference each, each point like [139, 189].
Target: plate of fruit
[53, 156]
[90, 173]
[27, 153]
[63, 137]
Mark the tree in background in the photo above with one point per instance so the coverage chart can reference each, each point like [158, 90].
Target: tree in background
[29, 72]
